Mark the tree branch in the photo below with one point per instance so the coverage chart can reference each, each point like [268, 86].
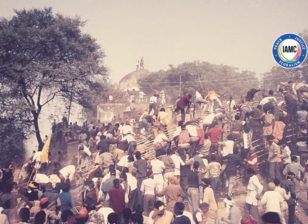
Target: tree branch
[39, 106]
[51, 98]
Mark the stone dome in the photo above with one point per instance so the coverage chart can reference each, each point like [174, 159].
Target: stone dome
[130, 81]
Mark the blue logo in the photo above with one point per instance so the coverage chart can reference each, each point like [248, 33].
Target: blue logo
[290, 50]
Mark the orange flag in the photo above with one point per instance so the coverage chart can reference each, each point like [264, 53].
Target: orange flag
[45, 150]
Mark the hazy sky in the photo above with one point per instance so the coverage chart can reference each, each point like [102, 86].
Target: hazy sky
[234, 32]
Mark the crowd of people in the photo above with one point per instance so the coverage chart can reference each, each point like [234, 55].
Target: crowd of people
[135, 172]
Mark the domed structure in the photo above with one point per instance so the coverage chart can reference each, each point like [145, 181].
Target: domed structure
[130, 81]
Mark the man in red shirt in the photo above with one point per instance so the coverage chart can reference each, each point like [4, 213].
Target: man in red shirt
[181, 104]
[215, 134]
[117, 197]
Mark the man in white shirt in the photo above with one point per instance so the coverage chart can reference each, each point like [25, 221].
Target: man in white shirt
[105, 211]
[131, 189]
[178, 162]
[153, 104]
[158, 168]
[272, 200]
[227, 146]
[148, 190]
[160, 140]
[68, 172]
[126, 129]
[254, 189]
[286, 154]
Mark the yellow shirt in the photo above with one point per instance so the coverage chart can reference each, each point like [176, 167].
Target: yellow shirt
[163, 117]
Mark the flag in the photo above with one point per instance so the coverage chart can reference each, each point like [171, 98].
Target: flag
[45, 150]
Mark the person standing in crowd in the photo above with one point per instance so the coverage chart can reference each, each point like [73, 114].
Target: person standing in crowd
[234, 214]
[160, 215]
[274, 158]
[268, 123]
[148, 190]
[254, 190]
[291, 105]
[169, 166]
[296, 168]
[215, 134]
[65, 198]
[173, 193]
[286, 196]
[131, 188]
[209, 198]
[141, 167]
[273, 201]
[117, 197]
[158, 168]
[178, 162]
[211, 98]
[163, 117]
[290, 187]
[179, 217]
[214, 171]
[285, 154]
[193, 188]
[153, 104]
[233, 163]
[181, 104]
[201, 214]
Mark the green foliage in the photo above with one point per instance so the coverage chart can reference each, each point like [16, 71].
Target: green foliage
[11, 142]
[44, 56]
[201, 76]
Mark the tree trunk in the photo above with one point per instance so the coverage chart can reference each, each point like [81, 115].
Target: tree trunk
[37, 131]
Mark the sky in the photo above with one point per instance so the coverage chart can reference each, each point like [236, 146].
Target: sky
[238, 33]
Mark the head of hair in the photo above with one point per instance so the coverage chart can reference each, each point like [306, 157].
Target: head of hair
[123, 176]
[206, 181]
[162, 109]
[204, 206]
[127, 213]
[235, 150]
[179, 208]
[137, 218]
[66, 187]
[40, 217]
[113, 218]
[251, 171]
[229, 137]
[213, 157]
[157, 204]
[138, 155]
[24, 214]
[116, 183]
[271, 92]
[237, 117]
[270, 138]
[294, 159]
[149, 173]
[271, 217]
[276, 182]
[66, 214]
[196, 165]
